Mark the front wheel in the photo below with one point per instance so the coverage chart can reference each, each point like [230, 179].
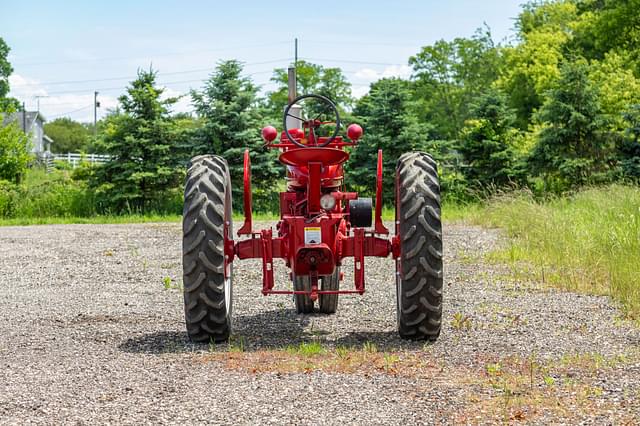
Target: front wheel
[304, 303]
[329, 302]
[419, 267]
[206, 221]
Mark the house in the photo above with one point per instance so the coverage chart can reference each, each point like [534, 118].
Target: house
[32, 123]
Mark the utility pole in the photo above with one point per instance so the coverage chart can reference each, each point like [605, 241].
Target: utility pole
[38, 101]
[24, 117]
[96, 105]
[295, 58]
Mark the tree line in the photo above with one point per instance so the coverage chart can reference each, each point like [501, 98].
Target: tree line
[554, 109]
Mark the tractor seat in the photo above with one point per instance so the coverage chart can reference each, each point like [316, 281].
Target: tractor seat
[303, 156]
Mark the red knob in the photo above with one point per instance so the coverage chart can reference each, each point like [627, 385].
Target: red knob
[269, 133]
[354, 132]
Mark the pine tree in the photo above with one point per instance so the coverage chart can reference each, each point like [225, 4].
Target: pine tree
[486, 142]
[141, 137]
[390, 125]
[573, 149]
[230, 123]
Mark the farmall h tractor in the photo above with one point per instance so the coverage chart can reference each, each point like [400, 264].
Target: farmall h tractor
[321, 224]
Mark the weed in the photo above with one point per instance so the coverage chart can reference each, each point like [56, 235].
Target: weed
[236, 343]
[342, 352]
[306, 349]
[166, 281]
[369, 347]
[390, 361]
[461, 321]
[494, 369]
[549, 381]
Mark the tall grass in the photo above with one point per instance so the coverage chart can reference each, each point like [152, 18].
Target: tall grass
[589, 242]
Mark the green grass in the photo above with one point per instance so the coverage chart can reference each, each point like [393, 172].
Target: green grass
[306, 349]
[589, 242]
[22, 221]
[37, 212]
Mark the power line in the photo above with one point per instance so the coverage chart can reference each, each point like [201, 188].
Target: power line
[190, 52]
[348, 61]
[160, 83]
[69, 112]
[52, 83]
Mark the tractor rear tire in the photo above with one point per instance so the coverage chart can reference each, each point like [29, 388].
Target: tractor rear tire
[419, 267]
[206, 218]
[304, 304]
[329, 302]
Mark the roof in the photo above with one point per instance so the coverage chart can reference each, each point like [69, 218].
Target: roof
[31, 117]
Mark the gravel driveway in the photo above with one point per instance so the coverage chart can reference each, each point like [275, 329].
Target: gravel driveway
[91, 331]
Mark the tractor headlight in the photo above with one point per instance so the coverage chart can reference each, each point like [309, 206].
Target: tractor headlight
[327, 202]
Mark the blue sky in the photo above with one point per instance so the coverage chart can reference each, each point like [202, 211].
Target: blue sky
[57, 46]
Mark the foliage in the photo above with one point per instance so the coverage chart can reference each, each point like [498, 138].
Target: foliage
[630, 145]
[390, 125]
[6, 104]
[574, 148]
[486, 146]
[617, 86]
[14, 152]
[311, 78]
[141, 139]
[230, 121]
[448, 75]
[531, 67]
[613, 26]
[68, 135]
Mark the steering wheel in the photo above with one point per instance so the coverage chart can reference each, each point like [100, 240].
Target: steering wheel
[313, 123]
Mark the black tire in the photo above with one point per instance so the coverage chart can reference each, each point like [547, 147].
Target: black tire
[304, 304]
[419, 268]
[207, 211]
[329, 302]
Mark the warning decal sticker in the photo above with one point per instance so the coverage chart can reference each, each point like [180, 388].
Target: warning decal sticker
[312, 236]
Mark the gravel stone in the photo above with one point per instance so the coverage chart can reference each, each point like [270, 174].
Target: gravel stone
[89, 334]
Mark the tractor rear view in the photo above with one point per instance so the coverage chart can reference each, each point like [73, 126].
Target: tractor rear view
[321, 224]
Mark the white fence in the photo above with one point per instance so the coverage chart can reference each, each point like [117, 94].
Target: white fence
[74, 158]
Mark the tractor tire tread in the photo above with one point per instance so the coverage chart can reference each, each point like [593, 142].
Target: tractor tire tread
[421, 271]
[206, 314]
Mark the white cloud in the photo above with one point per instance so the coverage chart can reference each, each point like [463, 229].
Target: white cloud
[25, 87]
[359, 91]
[371, 75]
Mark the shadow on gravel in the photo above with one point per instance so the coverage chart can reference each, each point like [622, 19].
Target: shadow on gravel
[267, 331]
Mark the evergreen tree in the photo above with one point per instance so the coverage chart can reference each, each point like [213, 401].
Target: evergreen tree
[141, 137]
[389, 124]
[630, 147]
[486, 142]
[572, 149]
[230, 123]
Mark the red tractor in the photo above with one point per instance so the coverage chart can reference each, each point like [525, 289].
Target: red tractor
[320, 225]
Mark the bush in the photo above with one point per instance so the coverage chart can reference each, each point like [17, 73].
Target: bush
[7, 198]
[53, 194]
[14, 152]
